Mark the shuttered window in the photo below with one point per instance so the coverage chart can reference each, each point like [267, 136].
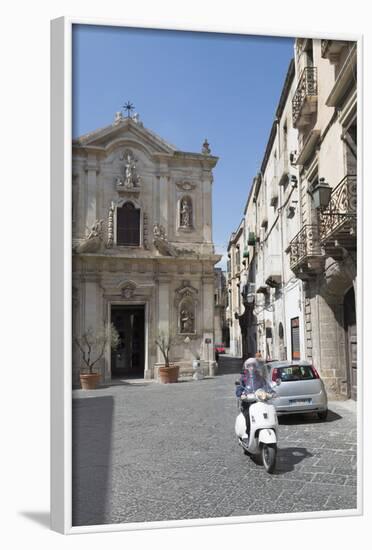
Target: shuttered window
[128, 225]
[295, 337]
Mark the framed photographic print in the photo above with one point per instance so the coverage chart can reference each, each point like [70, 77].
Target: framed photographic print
[205, 277]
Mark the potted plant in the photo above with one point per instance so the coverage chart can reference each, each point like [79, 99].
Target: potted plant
[168, 373]
[92, 346]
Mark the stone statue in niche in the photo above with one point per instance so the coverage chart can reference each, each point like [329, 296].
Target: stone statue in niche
[186, 320]
[130, 177]
[185, 213]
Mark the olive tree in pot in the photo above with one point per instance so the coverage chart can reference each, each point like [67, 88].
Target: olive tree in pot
[168, 373]
[92, 346]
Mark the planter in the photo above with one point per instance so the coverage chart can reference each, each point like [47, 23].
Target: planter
[169, 375]
[89, 381]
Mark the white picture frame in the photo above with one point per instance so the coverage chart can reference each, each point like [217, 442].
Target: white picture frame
[61, 298]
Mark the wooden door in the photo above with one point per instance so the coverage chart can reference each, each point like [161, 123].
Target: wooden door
[351, 342]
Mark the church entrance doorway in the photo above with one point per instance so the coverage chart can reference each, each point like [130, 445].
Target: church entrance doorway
[128, 360]
[351, 341]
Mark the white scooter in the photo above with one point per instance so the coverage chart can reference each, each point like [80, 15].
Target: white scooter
[262, 439]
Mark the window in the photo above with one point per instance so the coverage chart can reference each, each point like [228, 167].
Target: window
[128, 223]
[295, 337]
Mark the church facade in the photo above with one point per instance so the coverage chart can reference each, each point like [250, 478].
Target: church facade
[143, 256]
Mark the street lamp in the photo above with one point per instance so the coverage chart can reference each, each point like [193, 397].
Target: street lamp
[321, 194]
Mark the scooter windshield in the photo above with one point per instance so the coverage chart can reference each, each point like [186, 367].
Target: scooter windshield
[255, 378]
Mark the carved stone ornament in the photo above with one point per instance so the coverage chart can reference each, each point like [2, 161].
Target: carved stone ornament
[92, 241]
[185, 291]
[161, 242]
[186, 185]
[128, 290]
[129, 178]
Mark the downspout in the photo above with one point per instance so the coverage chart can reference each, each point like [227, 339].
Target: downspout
[284, 294]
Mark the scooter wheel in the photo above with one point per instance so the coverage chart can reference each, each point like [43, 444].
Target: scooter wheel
[269, 457]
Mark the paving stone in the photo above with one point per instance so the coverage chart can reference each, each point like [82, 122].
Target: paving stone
[156, 452]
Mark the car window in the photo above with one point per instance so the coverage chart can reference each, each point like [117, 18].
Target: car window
[295, 373]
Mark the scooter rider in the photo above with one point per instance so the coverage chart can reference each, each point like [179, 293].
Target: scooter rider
[251, 380]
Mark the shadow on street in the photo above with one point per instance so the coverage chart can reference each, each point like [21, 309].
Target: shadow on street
[308, 418]
[91, 458]
[288, 457]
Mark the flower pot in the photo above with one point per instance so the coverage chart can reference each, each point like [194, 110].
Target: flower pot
[89, 381]
[168, 375]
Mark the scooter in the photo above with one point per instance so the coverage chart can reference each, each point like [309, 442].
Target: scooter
[262, 439]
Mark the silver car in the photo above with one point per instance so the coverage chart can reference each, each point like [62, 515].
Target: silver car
[301, 389]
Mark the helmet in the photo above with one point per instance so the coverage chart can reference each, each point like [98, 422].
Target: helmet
[250, 362]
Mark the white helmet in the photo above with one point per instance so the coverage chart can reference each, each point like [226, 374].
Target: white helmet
[250, 361]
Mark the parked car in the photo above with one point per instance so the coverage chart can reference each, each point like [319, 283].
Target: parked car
[301, 389]
[219, 348]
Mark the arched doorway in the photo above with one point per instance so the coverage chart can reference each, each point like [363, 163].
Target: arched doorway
[351, 341]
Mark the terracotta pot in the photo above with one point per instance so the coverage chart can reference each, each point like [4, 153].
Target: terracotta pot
[89, 381]
[169, 375]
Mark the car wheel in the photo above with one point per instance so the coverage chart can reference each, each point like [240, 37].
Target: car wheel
[323, 415]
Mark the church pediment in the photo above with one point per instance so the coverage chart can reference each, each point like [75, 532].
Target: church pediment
[126, 131]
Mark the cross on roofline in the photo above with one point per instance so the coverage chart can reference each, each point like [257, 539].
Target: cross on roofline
[129, 107]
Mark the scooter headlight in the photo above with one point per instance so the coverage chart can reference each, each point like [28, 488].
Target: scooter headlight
[261, 395]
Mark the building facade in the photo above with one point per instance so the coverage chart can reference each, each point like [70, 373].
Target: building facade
[323, 253]
[221, 329]
[143, 256]
[297, 285]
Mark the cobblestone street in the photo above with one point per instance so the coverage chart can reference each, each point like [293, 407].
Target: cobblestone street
[150, 452]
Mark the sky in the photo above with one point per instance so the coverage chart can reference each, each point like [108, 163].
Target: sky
[186, 87]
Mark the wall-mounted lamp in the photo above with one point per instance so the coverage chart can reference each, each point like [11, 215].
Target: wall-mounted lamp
[321, 194]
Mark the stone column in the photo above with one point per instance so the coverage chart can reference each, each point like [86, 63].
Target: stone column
[91, 169]
[163, 197]
[207, 206]
[162, 324]
[208, 320]
[93, 312]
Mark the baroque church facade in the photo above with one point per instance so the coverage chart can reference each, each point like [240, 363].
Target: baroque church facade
[143, 256]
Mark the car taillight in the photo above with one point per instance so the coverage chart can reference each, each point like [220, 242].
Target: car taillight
[315, 372]
[275, 375]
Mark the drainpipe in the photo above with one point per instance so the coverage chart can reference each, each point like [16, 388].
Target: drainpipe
[284, 294]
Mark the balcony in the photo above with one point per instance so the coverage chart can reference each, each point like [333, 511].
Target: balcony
[345, 80]
[305, 253]
[331, 49]
[273, 272]
[304, 102]
[338, 221]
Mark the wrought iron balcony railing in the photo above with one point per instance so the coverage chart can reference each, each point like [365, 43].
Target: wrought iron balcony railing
[304, 247]
[305, 97]
[338, 221]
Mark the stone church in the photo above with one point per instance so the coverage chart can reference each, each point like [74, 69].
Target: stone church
[143, 256]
